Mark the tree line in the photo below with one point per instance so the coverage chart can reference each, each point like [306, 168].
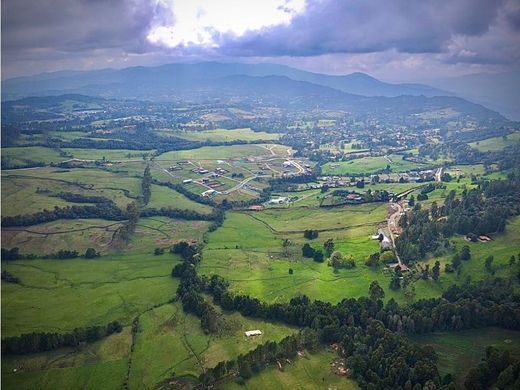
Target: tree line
[46, 341]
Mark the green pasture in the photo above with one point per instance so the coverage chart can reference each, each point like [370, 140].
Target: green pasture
[225, 135]
[460, 351]
[172, 342]
[102, 364]
[60, 295]
[220, 152]
[369, 165]
[313, 371]
[496, 144]
[166, 197]
[23, 155]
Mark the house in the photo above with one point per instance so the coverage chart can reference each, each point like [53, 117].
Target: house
[208, 193]
[287, 164]
[255, 332]
[256, 207]
[187, 181]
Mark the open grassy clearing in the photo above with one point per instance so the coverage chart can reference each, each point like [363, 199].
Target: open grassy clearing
[46, 238]
[309, 372]
[225, 152]
[22, 155]
[26, 194]
[171, 341]
[101, 364]
[109, 154]
[301, 218]
[60, 295]
[224, 135]
[166, 197]
[460, 351]
[502, 247]
[251, 256]
[80, 234]
[496, 144]
[369, 165]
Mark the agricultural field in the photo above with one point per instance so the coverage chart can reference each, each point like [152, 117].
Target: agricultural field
[60, 295]
[496, 144]
[313, 371]
[460, 351]
[225, 135]
[248, 251]
[22, 156]
[102, 364]
[370, 165]
[225, 152]
[171, 341]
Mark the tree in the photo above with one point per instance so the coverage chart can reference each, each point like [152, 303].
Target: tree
[446, 177]
[465, 253]
[291, 271]
[411, 201]
[308, 251]
[425, 274]
[91, 253]
[328, 247]
[375, 291]
[158, 251]
[318, 256]
[373, 259]
[512, 260]
[436, 270]
[336, 259]
[387, 257]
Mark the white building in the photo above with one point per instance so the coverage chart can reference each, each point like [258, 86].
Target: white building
[250, 333]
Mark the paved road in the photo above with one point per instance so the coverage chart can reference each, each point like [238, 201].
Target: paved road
[438, 174]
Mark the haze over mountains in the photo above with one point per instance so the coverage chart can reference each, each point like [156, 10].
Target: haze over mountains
[277, 82]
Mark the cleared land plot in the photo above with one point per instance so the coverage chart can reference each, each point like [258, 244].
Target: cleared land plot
[23, 155]
[166, 197]
[225, 135]
[369, 165]
[26, 194]
[217, 152]
[80, 234]
[98, 365]
[502, 247]
[310, 372]
[109, 154]
[496, 144]
[171, 341]
[60, 295]
[251, 256]
[458, 352]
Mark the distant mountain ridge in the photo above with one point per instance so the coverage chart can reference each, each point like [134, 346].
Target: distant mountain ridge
[179, 75]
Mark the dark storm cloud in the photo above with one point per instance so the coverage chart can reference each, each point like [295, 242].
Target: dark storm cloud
[74, 25]
[353, 26]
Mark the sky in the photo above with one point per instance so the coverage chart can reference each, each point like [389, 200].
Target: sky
[395, 40]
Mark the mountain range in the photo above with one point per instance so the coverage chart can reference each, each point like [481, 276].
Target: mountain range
[278, 83]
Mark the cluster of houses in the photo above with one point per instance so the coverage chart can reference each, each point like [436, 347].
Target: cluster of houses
[420, 176]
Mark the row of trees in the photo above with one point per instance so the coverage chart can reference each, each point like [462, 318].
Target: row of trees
[41, 342]
[62, 254]
[146, 185]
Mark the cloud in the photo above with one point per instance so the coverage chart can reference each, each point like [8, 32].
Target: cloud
[332, 35]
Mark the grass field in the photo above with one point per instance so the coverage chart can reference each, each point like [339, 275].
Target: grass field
[460, 351]
[502, 247]
[250, 255]
[369, 165]
[496, 144]
[170, 341]
[80, 234]
[309, 372]
[23, 155]
[222, 152]
[225, 135]
[102, 364]
[166, 197]
[60, 295]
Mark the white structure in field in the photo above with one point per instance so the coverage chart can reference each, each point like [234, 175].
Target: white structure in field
[250, 333]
